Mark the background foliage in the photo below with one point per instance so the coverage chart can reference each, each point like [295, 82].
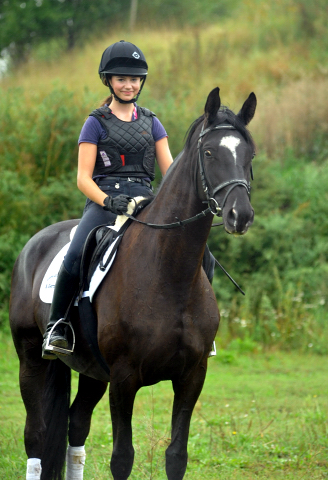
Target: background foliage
[26, 24]
[275, 48]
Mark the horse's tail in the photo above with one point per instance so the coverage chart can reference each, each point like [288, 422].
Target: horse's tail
[56, 403]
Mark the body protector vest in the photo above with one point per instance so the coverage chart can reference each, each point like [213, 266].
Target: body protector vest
[129, 148]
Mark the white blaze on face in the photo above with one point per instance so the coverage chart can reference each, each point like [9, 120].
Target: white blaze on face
[231, 143]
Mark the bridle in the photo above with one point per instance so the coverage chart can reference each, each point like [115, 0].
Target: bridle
[214, 206]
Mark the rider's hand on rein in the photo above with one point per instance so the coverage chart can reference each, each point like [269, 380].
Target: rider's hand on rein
[117, 205]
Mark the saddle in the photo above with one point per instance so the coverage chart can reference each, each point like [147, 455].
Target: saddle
[94, 256]
[100, 239]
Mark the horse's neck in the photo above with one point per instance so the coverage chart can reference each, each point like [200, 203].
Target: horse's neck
[177, 200]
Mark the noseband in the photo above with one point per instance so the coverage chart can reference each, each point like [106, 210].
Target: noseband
[212, 203]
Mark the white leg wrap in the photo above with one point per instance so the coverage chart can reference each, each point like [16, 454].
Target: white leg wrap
[33, 471]
[75, 460]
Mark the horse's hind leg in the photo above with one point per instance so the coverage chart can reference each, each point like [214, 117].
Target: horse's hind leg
[185, 398]
[123, 390]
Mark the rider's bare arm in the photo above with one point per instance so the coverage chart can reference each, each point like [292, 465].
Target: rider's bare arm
[163, 155]
[86, 165]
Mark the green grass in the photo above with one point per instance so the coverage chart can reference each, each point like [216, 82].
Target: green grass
[261, 416]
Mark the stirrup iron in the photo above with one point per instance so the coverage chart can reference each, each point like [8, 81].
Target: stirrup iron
[53, 348]
[213, 351]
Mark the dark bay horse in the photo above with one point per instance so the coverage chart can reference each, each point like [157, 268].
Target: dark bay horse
[156, 310]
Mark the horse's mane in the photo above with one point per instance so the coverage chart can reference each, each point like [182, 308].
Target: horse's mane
[224, 115]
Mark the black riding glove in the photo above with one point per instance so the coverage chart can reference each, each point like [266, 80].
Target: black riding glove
[117, 205]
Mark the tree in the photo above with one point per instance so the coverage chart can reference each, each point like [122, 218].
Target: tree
[25, 23]
[133, 14]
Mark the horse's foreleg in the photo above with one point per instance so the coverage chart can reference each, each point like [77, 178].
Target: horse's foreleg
[185, 398]
[123, 390]
[89, 393]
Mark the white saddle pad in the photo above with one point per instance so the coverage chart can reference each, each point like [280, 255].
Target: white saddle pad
[49, 281]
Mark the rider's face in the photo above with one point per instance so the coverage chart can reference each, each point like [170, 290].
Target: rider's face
[125, 87]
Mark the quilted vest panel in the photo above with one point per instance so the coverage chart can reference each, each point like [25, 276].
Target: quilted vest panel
[129, 148]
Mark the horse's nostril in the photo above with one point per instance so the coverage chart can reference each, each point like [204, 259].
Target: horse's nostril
[238, 220]
[233, 216]
[251, 220]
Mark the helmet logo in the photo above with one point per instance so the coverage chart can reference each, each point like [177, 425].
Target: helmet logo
[135, 55]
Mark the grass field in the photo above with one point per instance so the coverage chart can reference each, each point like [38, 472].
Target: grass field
[261, 416]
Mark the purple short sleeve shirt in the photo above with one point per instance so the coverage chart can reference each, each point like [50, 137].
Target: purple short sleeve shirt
[92, 130]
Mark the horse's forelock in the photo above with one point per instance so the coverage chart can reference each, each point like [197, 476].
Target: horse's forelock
[225, 115]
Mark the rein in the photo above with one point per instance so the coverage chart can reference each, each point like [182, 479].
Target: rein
[179, 223]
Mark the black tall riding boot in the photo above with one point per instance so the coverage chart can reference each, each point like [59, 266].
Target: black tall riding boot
[65, 289]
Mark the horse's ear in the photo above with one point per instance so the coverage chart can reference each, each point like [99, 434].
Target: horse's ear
[248, 109]
[212, 106]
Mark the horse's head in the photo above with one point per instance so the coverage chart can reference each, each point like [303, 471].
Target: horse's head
[225, 153]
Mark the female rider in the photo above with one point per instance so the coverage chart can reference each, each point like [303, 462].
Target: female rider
[118, 145]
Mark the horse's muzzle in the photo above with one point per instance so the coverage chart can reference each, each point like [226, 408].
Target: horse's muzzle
[238, 220]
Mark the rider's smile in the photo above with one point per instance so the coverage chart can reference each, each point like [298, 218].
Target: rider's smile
[125, 86]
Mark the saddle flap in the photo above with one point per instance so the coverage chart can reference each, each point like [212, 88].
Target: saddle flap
[101, 238]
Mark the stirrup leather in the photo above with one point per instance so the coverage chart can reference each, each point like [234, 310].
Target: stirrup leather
[53, 348]
[213, 351]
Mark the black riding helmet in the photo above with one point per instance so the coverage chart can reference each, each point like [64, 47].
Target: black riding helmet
[123, 58]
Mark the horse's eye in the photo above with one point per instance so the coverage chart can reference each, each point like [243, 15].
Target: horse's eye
[207, 153]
